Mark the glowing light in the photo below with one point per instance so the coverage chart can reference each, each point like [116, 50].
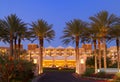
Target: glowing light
[35, 61]
[98, 70]
[60, 68]
[82, 61]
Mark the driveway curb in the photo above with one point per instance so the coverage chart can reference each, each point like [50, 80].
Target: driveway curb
[91, 78]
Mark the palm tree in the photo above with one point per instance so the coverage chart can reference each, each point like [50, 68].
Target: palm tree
[21, 34]
[103, 21]
[10, 24]
[42, 30]
[90, 36]
[73, 33]
[96, 38]
[115, 35]
[93, 37]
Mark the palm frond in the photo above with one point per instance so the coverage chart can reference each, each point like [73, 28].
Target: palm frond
[42, 29]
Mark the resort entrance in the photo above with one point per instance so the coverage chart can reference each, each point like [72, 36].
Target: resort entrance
[59, 63]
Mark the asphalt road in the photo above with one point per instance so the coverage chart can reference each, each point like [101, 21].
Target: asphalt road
[62, 77]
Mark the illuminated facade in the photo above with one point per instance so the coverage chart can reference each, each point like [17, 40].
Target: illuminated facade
[113, 53]
[59, 56]
[4, 50]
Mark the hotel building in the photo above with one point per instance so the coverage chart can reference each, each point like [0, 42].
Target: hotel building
[57, 57]
[60, 56]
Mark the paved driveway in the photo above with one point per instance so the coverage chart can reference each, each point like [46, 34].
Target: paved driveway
[62, 77]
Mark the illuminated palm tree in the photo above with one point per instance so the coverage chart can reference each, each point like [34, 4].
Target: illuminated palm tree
[115, 35]
[92, 37]
[103, 21]
[96, 39]
[73, 33]
[10, 24]
[21, 34]
[42, 31]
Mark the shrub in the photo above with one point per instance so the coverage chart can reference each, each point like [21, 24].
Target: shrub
[117, 77]
[15, 70]
[88, 72]
[101, 74]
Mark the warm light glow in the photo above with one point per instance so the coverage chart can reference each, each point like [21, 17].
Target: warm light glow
[98, 70]
[58, 63]
[82, 61]
[35, 61]
[60, 68]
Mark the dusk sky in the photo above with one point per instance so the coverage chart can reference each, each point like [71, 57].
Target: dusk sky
[56, 12]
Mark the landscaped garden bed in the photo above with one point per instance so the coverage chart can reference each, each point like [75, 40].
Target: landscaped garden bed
[15, 70]
[107, 77]
[102, 75]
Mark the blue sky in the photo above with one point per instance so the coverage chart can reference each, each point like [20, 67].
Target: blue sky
[56, 12]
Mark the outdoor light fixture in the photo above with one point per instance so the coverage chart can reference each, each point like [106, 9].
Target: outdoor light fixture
[98, 70]
[82, 61]
[35, 61]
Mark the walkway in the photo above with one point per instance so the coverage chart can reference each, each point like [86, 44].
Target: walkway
[62, 77]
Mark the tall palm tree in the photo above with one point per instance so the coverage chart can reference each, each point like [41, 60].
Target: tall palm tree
[93, 37]
[115, 35]
[73, 33]
[103, 21]
[10, 23]
[21, 34]
[42, 30]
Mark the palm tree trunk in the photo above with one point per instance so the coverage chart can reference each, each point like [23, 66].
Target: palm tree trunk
[41, 55]
[15, 46]
[99, 47]
[105, 54]
[95, 53]
[19, 47]
[117, 44]
[77, 60]
[77, 55]
[11, 44]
